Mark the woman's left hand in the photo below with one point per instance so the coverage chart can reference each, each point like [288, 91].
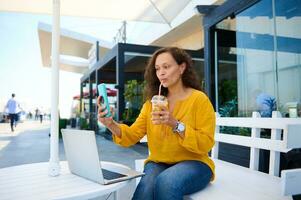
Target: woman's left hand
[163, 117]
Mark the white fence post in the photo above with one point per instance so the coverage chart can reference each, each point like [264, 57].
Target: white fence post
[274, 155]
[254, 156]
[214, 151]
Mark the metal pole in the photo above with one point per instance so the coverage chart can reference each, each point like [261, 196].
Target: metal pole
[54, 165]
[124, 32]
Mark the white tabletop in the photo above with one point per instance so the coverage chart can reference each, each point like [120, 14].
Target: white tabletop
[31, 181]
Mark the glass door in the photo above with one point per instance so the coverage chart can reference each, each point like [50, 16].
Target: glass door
[246, 63]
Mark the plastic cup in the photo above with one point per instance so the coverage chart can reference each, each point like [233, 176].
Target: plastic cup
[159, 103]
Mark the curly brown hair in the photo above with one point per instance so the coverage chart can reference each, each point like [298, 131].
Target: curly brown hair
[189, 77]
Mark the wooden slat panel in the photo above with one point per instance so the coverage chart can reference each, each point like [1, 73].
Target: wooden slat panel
[254, 153]
[292, 136]
[261, 143]
[274, 155]
[268, 123]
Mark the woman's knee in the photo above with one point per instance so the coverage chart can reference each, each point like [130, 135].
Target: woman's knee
[145, 187]
[165, 190]
[166, 185]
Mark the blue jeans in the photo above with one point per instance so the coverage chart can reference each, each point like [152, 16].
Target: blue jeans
[164, 181]
[13, 120]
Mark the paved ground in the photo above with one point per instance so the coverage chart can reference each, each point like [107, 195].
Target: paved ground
[30, 144]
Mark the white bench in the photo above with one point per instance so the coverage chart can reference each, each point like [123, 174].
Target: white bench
[235, 182]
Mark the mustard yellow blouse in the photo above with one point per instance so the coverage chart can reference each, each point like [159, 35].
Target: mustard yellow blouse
[196, 112]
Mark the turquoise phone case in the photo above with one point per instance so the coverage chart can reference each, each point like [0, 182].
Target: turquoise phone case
[102, 90]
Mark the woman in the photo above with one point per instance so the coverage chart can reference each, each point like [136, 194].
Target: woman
[179, 137]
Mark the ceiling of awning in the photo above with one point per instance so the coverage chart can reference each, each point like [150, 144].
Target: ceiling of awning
[194, 25]
[72, 44]
[159, 11]
[181, 37]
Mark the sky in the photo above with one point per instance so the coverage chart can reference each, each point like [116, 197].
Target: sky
[21, 69]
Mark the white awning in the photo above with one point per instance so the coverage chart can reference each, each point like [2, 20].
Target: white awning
[74, 48]
[174, 37]
[160, 11]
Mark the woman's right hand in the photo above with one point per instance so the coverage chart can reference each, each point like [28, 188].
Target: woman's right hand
[107, 121]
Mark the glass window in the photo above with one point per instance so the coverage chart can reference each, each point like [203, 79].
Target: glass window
[199, 67]
[288, 37]
[246, 62]
[134, 68]
[258, 60]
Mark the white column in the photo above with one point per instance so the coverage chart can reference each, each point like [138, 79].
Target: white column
[54, 166]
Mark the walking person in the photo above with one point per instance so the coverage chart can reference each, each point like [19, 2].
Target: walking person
[41, 116]
[13, 106]
[36, 116]
[179, 135]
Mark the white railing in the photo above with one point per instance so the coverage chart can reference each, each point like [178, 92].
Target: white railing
[276, 145]
[285, 135]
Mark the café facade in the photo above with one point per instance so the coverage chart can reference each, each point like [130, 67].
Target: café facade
[251, 56]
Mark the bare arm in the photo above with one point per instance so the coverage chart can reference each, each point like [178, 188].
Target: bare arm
[114, 128]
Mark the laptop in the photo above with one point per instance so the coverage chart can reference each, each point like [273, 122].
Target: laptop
[83, 159]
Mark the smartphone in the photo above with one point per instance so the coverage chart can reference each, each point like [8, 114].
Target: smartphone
[102, 90]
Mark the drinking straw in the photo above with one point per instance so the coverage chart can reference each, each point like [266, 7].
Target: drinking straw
[160, 89]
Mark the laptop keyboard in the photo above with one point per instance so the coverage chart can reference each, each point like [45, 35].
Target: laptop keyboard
[109, 175]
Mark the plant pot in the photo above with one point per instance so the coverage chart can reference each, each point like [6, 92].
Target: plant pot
[62, 125]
